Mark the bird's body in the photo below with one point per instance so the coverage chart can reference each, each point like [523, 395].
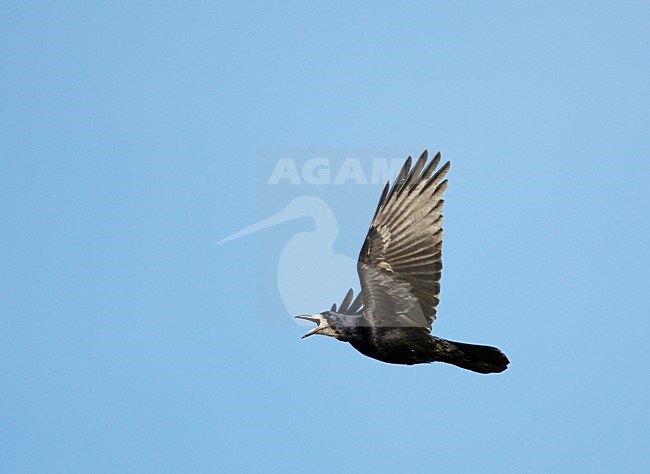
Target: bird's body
[387, 345]
[399, 267]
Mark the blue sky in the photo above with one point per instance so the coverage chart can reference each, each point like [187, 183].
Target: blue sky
[129, 143]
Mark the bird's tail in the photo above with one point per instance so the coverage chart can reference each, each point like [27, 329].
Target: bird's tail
[482, 359]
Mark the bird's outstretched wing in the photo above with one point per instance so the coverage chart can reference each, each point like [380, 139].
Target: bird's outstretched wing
[400, 262]
[348, 306]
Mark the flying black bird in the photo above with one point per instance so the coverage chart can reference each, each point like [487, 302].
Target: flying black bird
[399, 267]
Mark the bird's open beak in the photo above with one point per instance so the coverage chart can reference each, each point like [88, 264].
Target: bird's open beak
[318, 319]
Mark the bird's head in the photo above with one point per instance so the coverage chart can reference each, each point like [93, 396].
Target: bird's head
[326, 324]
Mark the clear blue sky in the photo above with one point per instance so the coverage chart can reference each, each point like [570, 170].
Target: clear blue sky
[129, 342]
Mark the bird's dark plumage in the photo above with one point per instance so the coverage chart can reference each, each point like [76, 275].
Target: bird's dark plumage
[399, 267]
